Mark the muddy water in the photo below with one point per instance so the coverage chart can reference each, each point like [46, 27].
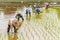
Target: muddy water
[44, 27]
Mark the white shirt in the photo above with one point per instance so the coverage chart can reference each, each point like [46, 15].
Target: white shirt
[12, 20]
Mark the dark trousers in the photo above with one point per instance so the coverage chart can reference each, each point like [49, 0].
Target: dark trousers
[9, 28]
[28, 13]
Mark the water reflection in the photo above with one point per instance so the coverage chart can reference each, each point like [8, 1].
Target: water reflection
[46, 11]
[58, 13]
[38, 16]
[28, 18]
[12, 37]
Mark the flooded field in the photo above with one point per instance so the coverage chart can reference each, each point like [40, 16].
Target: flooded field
[46, 26]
